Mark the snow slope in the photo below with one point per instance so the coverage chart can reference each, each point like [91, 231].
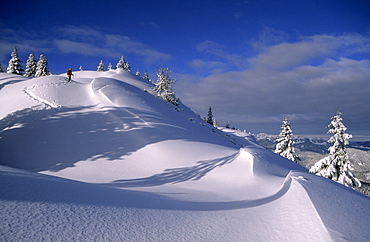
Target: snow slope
[102, 159]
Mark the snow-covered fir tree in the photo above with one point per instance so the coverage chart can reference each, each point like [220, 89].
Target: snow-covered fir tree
[1, 69]
[163, 86]
[284, 146]
[81, 69]
[137, 72]
[120, 63]
[146, 76]
[14, 66]
[42, 68]
[101, 66]
[336, 165]
[31, 66]
[126, 66]
[110, 66]
[215, 123]
[209, 116]
[227, 125]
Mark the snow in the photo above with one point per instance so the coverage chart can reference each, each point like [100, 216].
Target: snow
[101, 158]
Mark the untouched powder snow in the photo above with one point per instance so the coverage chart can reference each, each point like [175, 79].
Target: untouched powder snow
[102, 159]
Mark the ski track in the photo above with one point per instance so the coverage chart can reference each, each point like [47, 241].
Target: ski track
[105, 97]
[28, 91]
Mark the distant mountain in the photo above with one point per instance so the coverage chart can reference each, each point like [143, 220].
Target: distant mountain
[310, 150]
[317, 145]
[361, 145]
[313, 144]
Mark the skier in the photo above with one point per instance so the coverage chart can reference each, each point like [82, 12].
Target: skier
[69, 74]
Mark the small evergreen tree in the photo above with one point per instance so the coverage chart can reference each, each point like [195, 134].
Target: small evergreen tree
[215, 123]
[137, 72]
[120, 63]
[210, 116]
[42, 67]
[337, 165]
[163, 86]
[101, 66]
[110, 66]
[146, 76]
[81, 69]
[14, 66]
[1, 69]
[227, 125]
[31, 66]
[284, 146]
[126, 66]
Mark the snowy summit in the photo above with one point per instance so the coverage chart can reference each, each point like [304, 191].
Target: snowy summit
[103, 158]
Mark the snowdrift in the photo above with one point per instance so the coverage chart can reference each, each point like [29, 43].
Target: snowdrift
[101, 158]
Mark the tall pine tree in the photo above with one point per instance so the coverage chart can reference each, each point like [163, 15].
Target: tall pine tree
[284, 146]
[31, 66]
[14, 66]
[336, 165]
[163, 86]
[42, 68]
[210, 116]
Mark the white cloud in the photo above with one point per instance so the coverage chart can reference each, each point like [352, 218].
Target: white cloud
[310, 49]
[213, 66]
[79, 40]
[25, 41]
[67, 46]
[218, 51]
[78, 33]
[306, 80]
[127, 45]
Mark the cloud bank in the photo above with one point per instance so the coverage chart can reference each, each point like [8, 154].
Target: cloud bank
[78, 40]
[306, 80]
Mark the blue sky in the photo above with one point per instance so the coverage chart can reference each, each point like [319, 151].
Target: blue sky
[254, 62]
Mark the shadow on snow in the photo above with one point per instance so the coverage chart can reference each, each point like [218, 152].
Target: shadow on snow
[55, 139]
[31, 187]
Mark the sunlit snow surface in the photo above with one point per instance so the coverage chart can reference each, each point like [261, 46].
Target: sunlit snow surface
[102, 159]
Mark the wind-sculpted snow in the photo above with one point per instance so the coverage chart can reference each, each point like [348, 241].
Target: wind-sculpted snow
[102, 159]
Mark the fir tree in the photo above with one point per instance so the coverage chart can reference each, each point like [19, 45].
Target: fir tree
[30, 66]
[227, 125]
[284, 146]
[42, 67]
[126, 66]
[163, 86]
[14, 66]
[146, 76]
[120, 63]
[210, 116]
[215, 123]
[110, 66]
[81, 69]
[101, 66]
[337, 165]
[1, 69]
[137, 72]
